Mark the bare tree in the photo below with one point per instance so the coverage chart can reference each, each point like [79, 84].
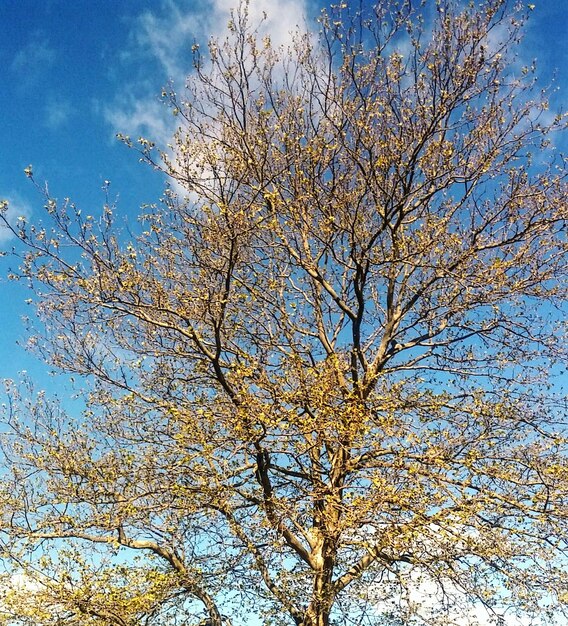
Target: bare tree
[323, 378]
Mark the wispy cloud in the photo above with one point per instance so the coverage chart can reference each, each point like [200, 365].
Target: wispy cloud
[57, 113]
[169, 33]
[32, 60]
[164, 36]
[144, 116]
[277, 19]
[167, 37]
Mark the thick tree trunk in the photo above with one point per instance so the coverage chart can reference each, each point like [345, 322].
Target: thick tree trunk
[315, 616]
[317, 612]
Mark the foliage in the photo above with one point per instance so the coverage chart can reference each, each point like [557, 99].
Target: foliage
[320, 377]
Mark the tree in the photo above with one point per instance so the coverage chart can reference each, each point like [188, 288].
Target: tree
[323, 378]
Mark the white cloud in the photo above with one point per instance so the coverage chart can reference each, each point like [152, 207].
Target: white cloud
[32, 60]
[165, 36]
[13, 209]
[141, 117]
[57, 112]
[162, 38]
[421, 599]
[168, 34]
[282, 18]
[435, 595]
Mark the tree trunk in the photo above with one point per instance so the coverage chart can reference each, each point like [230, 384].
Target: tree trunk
[317, 612]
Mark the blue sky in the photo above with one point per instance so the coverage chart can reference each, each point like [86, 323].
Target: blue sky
[75, 73]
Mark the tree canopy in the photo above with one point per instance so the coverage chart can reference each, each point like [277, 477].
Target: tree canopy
[319, 378]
